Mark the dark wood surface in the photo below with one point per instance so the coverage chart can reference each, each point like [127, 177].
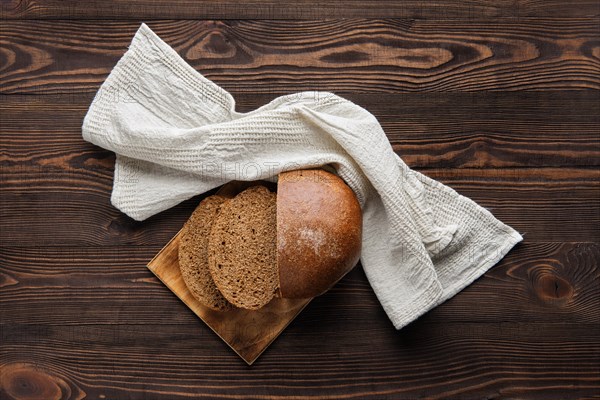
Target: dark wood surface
[498, 99]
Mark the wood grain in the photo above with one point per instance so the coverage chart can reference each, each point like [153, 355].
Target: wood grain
[428, 130]
[490, 361]
[308, 9]
[498, 99]
[536, 282]
[48, 170]
[567, 209]
[356, 55]
[341, 344]
[545, 205]
[532, 334]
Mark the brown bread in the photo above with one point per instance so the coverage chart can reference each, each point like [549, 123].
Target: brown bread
[296, 244]
[193, 254]
[242, 248]
[319, 232]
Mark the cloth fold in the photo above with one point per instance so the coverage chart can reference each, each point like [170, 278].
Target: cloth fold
[177, 134]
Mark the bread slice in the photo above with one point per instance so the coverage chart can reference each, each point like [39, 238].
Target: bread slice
[242, 249]
[193, 254]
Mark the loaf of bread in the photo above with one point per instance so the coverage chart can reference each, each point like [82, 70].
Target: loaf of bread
[296, 243]
[319, 232]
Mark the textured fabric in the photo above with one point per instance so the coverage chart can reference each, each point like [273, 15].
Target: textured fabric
[177, 134]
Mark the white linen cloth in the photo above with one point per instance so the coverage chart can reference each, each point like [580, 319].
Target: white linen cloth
[177, 134]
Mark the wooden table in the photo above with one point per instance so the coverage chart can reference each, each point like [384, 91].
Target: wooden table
[498, 99]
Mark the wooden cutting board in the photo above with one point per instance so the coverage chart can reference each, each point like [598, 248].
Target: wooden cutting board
[247, 332]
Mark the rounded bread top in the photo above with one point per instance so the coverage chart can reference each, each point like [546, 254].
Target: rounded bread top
[319, 231]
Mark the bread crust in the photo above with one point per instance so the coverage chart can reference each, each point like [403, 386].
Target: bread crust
[319, 232]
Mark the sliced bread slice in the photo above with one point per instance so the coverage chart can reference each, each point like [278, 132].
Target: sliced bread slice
[193, 254]
[242, 249]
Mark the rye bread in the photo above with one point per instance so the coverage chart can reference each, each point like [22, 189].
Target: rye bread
[193, 254]
[319, 232]
[242, 249]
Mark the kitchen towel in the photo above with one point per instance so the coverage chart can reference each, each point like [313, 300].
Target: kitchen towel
[177, 134]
